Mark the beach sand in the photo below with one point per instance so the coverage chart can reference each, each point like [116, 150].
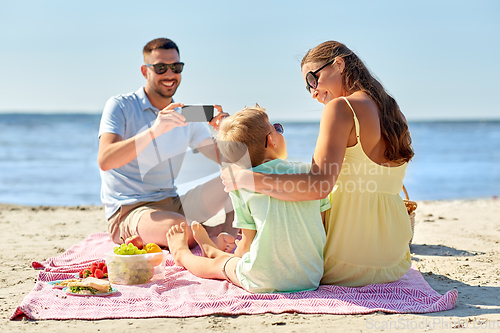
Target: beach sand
[456, 246]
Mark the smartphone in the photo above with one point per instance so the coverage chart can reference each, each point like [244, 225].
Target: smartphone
[198, 113]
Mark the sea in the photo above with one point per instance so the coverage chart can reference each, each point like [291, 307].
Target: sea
[51, 159]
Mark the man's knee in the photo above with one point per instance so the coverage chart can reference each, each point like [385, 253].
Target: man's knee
[163, 217]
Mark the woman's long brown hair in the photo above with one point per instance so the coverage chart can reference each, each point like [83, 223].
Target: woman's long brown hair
[356, 77]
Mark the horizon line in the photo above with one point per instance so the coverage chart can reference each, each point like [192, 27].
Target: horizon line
[305, 120]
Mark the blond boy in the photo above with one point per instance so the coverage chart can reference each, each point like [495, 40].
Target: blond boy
[281, 249]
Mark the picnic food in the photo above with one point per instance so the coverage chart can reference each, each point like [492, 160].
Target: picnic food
[97, 270]
[90, 286]
[129, 269]
[152, 248]
[136, 241]
[64, 283]
[132, 269]
[128, 250]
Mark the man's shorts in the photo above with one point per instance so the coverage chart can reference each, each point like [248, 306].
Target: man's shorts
[125, 221]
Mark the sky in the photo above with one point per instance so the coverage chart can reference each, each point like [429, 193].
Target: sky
[438, 59]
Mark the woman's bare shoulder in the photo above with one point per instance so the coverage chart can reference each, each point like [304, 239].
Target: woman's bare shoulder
[336, 120]
[362, 102]
[337, 108]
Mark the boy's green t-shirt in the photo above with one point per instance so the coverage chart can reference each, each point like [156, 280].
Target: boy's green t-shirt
[286, 254]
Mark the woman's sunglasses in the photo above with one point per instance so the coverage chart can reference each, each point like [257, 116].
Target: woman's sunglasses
[163, 68]
[278, 128]
[312, 79]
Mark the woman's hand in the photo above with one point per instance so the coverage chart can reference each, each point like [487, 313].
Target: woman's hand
[168, 119]
[234, 177]
[215, 122]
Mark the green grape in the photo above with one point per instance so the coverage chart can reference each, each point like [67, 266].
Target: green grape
[121, 252]
[124, 246]
[116, 249]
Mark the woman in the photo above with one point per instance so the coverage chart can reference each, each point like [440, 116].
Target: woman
[360, 159]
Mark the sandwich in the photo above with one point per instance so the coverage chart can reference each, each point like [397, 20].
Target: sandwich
[90, 286]
[64, 283]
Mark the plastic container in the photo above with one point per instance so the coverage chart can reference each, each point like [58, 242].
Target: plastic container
[134, 269]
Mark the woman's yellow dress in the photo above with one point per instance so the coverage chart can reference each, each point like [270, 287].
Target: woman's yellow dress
[368, 227]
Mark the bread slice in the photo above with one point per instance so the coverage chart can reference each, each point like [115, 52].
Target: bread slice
[64, 283]
[102, 286]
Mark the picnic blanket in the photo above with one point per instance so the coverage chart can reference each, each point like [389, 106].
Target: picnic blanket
[177, 293]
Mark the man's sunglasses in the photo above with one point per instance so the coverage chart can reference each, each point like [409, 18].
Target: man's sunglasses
[312, 79]
[278, 128]
[163, 68]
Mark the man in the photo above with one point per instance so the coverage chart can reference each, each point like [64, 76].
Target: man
[142, 142]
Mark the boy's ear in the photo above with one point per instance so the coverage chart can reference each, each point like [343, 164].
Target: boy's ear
[270, 143]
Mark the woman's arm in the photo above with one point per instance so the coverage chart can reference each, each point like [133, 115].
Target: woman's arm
[335, 126]
[243, 246]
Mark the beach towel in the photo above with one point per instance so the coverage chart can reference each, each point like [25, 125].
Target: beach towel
[177, 293]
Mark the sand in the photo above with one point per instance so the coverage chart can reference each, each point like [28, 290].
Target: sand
[456, 246]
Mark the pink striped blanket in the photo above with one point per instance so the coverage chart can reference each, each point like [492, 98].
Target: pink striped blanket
[178, 293]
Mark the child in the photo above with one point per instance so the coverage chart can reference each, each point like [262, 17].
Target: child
[281, 249]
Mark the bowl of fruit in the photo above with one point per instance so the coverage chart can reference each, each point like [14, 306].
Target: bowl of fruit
[134, 263]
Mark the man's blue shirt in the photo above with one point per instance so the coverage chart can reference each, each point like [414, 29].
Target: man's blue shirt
[150, 176]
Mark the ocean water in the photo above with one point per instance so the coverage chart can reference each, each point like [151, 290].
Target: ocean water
[52, 159]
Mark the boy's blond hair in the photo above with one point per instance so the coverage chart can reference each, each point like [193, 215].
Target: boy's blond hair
[246, 129]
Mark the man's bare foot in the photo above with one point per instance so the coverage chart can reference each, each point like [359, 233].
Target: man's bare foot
[178, 241]
[206, 243]
[222, 240]
[225, 242]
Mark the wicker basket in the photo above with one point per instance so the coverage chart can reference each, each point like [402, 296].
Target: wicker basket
[411, 206]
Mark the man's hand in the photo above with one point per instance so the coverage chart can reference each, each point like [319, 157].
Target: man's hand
[167, 119]
[215, 122]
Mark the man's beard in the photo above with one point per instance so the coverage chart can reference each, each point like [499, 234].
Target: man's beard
[160, 92]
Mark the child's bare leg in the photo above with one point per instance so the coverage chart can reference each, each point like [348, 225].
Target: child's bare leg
[209, 248]
[203, 267]
[226, 239]
[177, 241]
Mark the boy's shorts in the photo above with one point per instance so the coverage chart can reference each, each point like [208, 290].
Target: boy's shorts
[125, 221]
